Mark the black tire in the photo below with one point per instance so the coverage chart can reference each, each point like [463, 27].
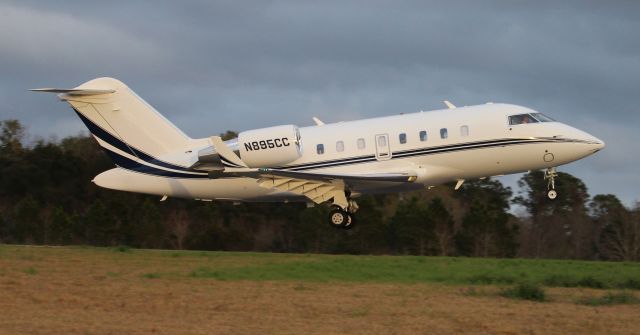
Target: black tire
[350, 222]
[338, 218]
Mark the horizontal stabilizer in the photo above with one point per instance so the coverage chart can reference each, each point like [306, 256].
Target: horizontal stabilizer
[73, 91]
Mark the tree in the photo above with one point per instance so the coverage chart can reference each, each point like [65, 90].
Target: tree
[228, 135]
[310, 231]
[178, 228]
[486, 229]
[148, 230]
[413, 228]
[560, 228]
[5, 233]
[369, 235]
[61, 226]
[11, 136]
[443, 226]
[100, 225]
[26, 220]
[619, 229]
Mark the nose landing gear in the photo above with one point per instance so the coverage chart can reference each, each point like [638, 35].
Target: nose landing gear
[550, 174]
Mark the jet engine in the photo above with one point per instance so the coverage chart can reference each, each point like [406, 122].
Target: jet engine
[270, 147]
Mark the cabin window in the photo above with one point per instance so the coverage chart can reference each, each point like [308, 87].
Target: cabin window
[521, 119]
[361, 143]
[443, 133]
[339, 146]
[464, 131]
[320, 149]
[423, 136]
[403, 138]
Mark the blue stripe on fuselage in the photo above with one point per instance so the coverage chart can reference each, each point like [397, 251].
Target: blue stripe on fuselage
[116, 142]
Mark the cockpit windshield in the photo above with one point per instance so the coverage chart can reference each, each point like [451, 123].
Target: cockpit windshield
[542, 118]
[528, 118]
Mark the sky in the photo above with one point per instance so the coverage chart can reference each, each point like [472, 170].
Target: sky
[212, 66]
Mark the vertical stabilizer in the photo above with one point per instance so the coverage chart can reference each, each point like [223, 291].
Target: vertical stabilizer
[132, 132]
[125, 116]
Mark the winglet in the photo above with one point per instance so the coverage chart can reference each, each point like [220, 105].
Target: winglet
[318, 121]
[73, 91]
[449, 104]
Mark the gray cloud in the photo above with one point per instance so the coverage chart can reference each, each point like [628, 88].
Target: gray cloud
[209, 67]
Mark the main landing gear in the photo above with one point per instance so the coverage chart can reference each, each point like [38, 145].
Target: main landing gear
[550, 174]
[343, 218]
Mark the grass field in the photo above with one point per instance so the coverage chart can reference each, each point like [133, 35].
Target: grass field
[82, 290]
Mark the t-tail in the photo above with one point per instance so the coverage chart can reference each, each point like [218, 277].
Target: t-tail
[133, 133]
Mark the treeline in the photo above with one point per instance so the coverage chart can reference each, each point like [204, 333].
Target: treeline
[46, 197]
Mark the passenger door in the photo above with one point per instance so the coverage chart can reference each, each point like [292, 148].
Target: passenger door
[383, 151]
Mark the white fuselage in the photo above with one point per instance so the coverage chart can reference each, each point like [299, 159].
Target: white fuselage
[479, 142]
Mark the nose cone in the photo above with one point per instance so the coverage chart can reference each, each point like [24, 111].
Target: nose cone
[596, 143]
[590, 143]
[599, 144]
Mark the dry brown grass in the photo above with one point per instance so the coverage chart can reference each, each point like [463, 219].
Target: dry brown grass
[89, 291]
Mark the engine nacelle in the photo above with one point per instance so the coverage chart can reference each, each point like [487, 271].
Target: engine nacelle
[270, 147]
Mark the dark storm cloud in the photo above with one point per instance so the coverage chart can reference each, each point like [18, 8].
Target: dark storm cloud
[209, 67]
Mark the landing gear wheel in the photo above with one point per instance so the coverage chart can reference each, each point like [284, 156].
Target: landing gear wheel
[550, 174]
[350, 222]
[339, 218]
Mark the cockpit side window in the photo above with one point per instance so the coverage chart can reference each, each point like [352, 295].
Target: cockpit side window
[521, 119]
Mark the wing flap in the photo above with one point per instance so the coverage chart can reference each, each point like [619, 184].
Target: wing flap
[320, 187]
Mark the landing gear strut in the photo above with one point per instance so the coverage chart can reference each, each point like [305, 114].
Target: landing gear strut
[550, 174]
[343, 218]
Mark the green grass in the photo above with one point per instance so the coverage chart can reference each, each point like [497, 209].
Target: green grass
[611, 298]
[151, 275]
[122, 248]
[30, 271]
[411, 269]
[233, 266]
[525, 291]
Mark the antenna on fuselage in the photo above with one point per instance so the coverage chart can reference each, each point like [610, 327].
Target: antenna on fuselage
[449, 104]
[318, 121]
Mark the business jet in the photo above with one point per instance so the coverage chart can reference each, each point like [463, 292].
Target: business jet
[334, 163]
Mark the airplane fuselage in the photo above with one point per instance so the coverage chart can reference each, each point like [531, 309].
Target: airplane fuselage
[437, 146]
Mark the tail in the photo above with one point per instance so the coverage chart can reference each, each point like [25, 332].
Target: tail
[132, 132]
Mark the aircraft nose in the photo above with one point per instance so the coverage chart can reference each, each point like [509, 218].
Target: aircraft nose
[595, 143]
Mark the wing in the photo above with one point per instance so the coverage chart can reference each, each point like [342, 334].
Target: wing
[321, 187]
[402, 177]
